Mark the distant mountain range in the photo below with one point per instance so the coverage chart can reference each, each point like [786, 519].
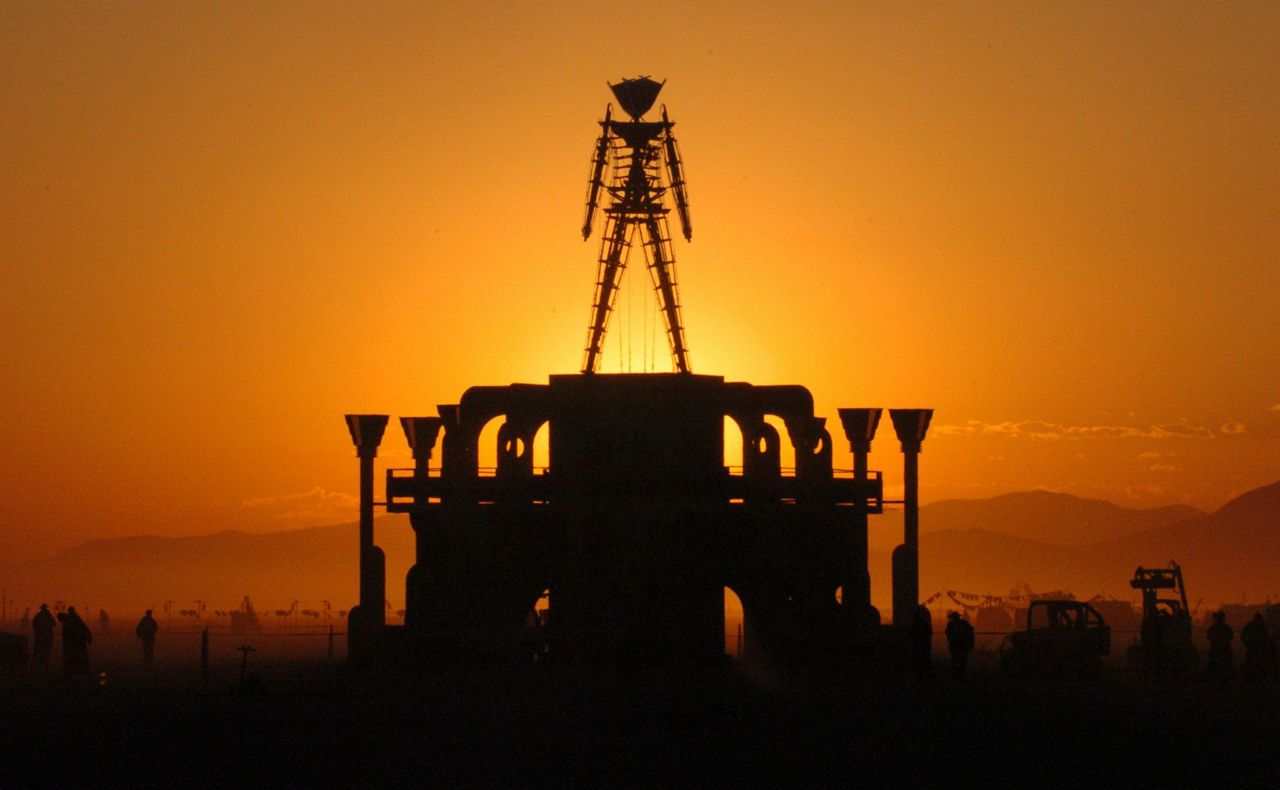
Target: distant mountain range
[1050, 517]
[1037, 516]
[1046, 540]
[991, 545]
[274, 568]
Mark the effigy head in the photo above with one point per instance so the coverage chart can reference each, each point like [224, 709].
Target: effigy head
[637, 95]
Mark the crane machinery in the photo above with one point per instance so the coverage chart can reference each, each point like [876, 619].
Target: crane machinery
[1165, 644]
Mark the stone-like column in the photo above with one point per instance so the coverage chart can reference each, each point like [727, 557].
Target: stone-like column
[860, 429]
[366, 621]
[910, 425]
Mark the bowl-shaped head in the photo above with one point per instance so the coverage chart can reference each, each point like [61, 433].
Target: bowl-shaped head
[637, 95]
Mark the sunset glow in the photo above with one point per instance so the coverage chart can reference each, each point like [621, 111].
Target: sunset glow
[227, 225]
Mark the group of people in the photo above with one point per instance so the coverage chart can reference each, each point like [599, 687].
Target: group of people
[76, 638]
[1261, 654]
[1260, 660]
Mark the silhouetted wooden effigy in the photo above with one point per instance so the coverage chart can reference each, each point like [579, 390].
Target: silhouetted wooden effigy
[636, 524]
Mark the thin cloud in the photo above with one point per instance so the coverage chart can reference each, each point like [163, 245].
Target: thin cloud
[1232, 428]
[1050, 431]
[315, 504]
[1180, 430]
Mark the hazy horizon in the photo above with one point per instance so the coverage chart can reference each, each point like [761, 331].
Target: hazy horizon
[345, 513]
[984, 547]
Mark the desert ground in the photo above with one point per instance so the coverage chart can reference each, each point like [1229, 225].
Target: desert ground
[298, 719]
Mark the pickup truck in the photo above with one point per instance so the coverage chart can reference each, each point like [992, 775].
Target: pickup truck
[1061, 638]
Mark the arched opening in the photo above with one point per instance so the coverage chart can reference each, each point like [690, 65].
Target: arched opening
[487, 446]
[786, 450]
[542, 449]
[823, 445]
[734, 632]
[732, 446]
[513, 445]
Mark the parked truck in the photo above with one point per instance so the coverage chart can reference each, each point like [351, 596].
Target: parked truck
[1062, 637]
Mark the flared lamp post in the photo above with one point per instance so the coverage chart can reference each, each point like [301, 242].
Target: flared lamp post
[859, 428]
[366, 620]
[911, 425]
[422, 434]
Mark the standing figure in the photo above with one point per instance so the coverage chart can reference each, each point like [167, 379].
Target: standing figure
[1220, 636]
[146, 632]
[75, 643]
[920, 635]
[639, 151]
[42, 632]
[1258, 649]
[104, 622]
[959, 642]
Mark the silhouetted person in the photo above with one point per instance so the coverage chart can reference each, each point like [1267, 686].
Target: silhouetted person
[959, 642]
[42, 636]
[104, 622]
[1220, 636]
[146, 632]
[1258, 649]
[75, 643]
[25, 622]
[920, 636]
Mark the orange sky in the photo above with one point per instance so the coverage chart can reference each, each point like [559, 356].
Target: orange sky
[225, 225]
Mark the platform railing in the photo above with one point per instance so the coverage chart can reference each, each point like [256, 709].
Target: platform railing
[405, 488]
